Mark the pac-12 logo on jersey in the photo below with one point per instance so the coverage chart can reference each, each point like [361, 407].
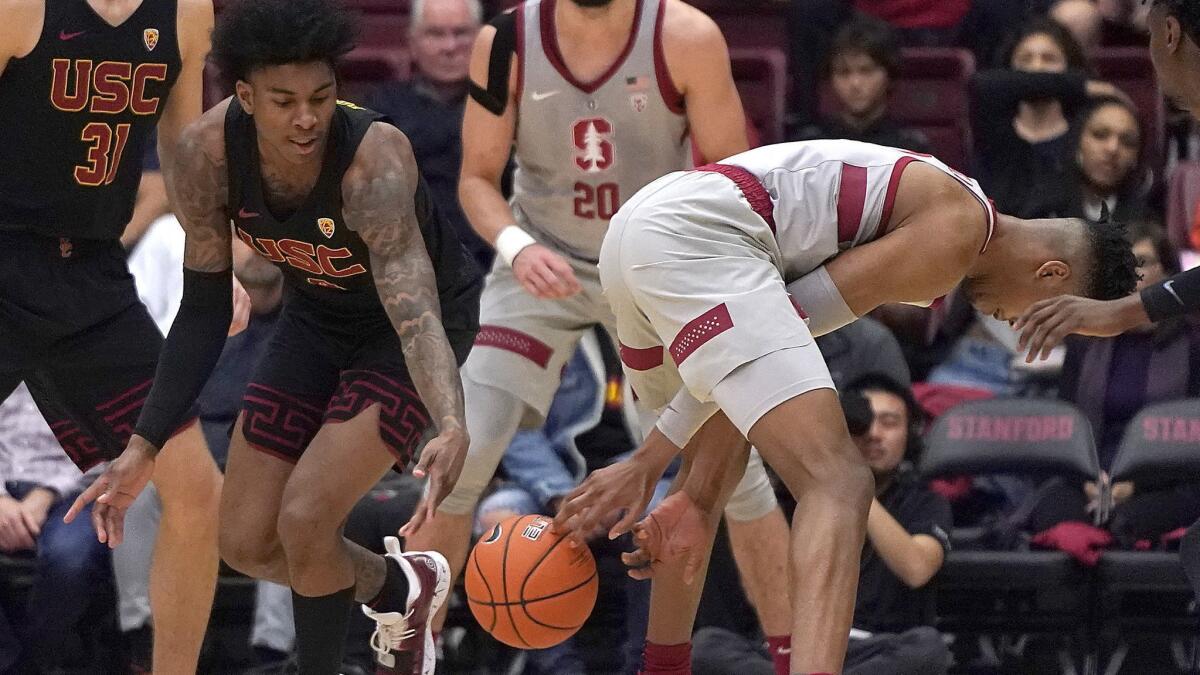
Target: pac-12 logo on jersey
[326, 226]
[150, 38]
[594, 150]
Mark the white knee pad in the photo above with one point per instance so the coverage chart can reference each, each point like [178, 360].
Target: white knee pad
[493, 416]
[753, 497]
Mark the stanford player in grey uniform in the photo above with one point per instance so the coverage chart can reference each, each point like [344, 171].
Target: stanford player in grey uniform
[600, 98]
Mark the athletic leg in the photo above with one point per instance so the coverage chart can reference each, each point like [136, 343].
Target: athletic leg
[328, 573]
[254, 483]
[833, 487]
[184, 573]
[758, 535]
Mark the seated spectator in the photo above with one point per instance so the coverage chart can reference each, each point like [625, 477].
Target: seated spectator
[38, 483]
[429, 107]
[905, 548]
[1111, 379]
[1021, 117]
[863, 60]
[1083, 18]
[1106, 174]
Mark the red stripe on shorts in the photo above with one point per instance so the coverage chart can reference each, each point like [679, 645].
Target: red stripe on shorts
[752, 189]
[699, 331]
[508, 339]
[642, 358]
[852, 199]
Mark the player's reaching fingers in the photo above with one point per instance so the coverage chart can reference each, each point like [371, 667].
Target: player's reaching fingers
[1033, 319]
[31, 523]
[554, 285]
[116, 526]
[416, 521]
[692, 567]
[98, 522]
[1042, 337]
[628, 519]
[86, 497]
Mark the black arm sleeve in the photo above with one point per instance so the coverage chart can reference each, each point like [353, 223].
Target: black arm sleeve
[1174, 297]
[190, 353]
[494, 98]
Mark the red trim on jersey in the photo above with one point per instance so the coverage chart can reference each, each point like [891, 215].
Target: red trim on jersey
[515, 341]
[700, 330]
[520, 10]
[852, 200]
[666, 86]
[554, 54]
[752, 189]
[991, 216]
[641, 358]
[889, 198]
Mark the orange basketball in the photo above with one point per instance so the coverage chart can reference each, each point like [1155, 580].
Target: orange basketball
[527, 586]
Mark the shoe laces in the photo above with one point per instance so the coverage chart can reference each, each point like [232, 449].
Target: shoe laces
[390, 633]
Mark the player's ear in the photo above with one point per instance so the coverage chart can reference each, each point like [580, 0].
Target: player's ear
[1174, 35]
[1054, 271]
[243, 92]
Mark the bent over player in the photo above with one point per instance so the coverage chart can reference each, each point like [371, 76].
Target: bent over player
[595, 99]
[83, 86]
[711, 274]
[380, 308]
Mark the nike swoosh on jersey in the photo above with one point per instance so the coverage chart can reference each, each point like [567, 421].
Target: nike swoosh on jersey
[542, 95]
[1168, 287]
[64, 35]
[243, 213]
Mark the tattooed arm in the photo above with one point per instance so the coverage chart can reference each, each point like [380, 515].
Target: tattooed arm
[378, 193]
[198, 188]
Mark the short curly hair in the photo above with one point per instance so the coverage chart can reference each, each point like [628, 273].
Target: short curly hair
[252, 34]
[1113, 272]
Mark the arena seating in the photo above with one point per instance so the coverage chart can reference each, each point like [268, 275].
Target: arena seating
[985, 591]
[761, 78]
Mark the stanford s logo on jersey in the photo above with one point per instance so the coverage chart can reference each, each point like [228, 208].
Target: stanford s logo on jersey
[594, 151]
[150, 38]
[326, 226]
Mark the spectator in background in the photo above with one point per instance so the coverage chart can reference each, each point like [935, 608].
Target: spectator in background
[1107, 174]
[1082, 18]
[906, 546]
[429, 107]
[1021, 117]
[38, 482]
[1111, 379]
[863, 60]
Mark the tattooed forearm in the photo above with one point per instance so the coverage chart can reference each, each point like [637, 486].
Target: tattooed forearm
[378, 204]
[198, 190]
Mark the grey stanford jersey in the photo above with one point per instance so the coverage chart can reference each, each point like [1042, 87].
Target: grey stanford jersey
[583, 148]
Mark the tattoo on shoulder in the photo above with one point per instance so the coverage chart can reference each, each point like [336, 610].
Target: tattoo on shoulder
[200, 191]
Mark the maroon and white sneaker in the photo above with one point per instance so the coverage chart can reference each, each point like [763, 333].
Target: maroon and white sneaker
[411, 632]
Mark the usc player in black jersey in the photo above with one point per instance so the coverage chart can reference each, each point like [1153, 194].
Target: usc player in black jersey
[83, 85]
[380, 308]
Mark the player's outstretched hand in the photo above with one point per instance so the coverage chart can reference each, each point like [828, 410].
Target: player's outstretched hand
[241, 309]
[115, 491]
[1044, 325]
[623, 487]
[544, 273]
[673, 531]
[442, 461]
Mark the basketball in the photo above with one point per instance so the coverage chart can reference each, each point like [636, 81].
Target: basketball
[527, 586]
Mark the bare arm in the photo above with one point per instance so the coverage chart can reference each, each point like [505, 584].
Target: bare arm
[913, 558]
[940, 221]
[199, 186]
[20, 28]
[487, 142]
[186, 102]
[378, 191]
[698, 61]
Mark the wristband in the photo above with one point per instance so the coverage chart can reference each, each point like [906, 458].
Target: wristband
[511, 241]
[826, 308]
